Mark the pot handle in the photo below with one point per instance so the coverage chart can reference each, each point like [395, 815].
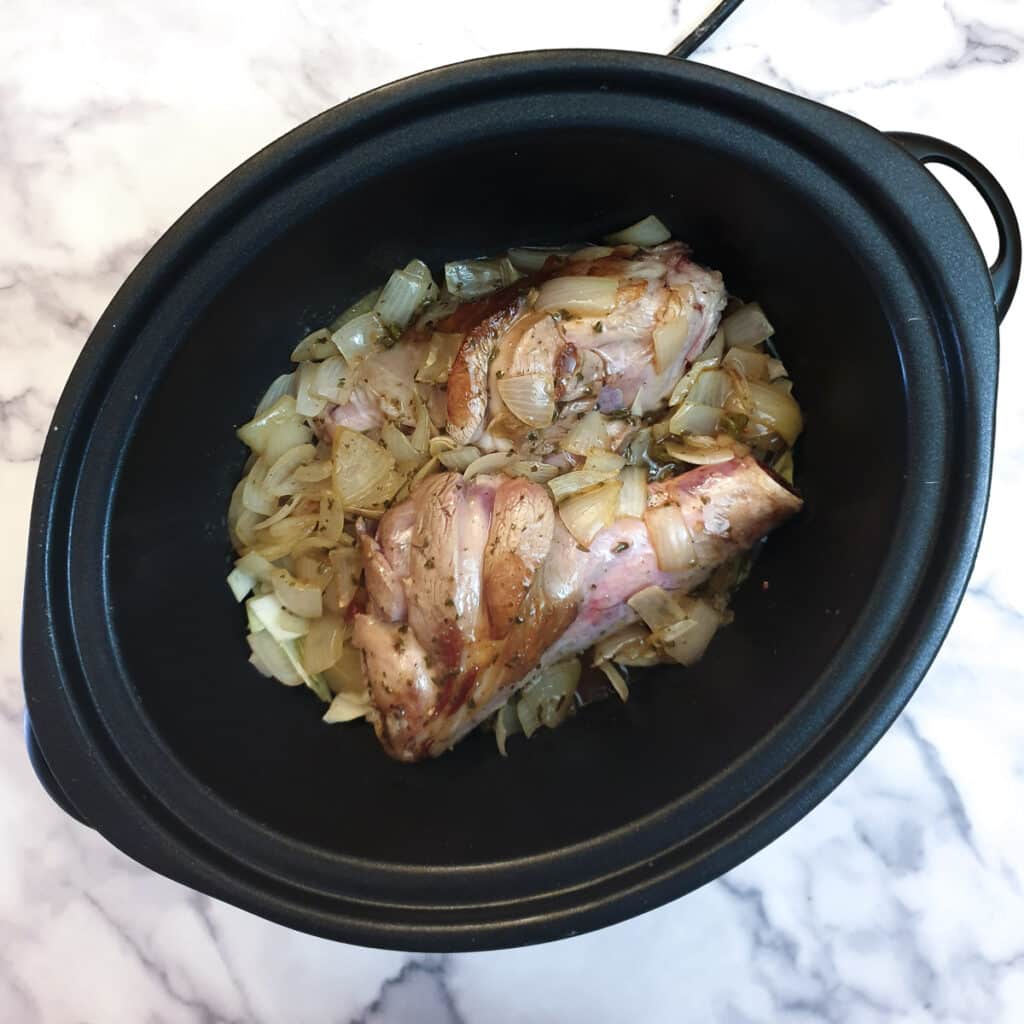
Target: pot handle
[1005, 272]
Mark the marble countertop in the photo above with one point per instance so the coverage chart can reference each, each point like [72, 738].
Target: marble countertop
[899, 899]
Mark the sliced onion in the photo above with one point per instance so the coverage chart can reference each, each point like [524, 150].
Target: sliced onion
[529, 398]
[616, 678]
[531, 469]
[281, 624]
[705, 451]
[400, 446]
[670, 341]
[581, 296]
[495, 462]
[314, 346]
[323, 644]
[359, 337]
[313, 472]
[348, 570]
[647, 232]
[576, 482]
[358, 308]
[547, 698]
[440, 355]
[695, 419]
[712, 388]
[406, 290]
[631, 646]
[432, 465]
[686, 641]
[271, 656]
[710, 358]
[633, 496]
[312, 568]
[747, 327]
[506, 723]
[297, 596]
[255, 565]
[587, 433]
[439, 445]
[586, 515]
[283, 385]
[636, 450]
[346, 674]
[240, 583]
[334, 379]
[345, 708]
[602, 461]
[365, 474]
[279, 480]
[255, 496]
[670, 538]
[775, 410]
[256, 432]
[657, 607]
[592, 252]
[531, 260]
[752, 364]
[459, 459]
[470, 279]
[420, 437]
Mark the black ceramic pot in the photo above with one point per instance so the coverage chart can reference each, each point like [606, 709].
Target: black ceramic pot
[146, 721]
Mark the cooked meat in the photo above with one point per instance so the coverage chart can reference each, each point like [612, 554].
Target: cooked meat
[474, 583]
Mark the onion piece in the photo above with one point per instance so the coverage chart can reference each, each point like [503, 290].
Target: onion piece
[459, 459]
[581, 296]
[631, 646]
[586, 515]
[346, 674]
[312, 568]
[670, 538]
[633, 496]
[547, 698]
[686, 641]
[400, 446]
[752, 364]
[579, 480]
[281, 624]
[470, 279]
[531, 469]
[298, 597]
[695, 419]
[283, 385]
[747, 327]
[616, 678]
[420, 437]
[323, 644]
[636, 451]
[495, 462]
[706, 451]
[506, 723]
[440, 355]
[406, 290]
[775, 410]
[314, 346]
[255, 565]
[670, 341]
[529, 398]
[279, 480]
[346, 708]
[359, 337]
[270, 654]
[587, 433]
[255, 496]
[712, 388]
[531, 260]
[602, 461]
[312, 472]
[365, 475]
[358, 308]
[348, 570]
[647, 232]
[255, 433]
[711, 357]
[657, 607]
[439, 445]
[240, 583]
[334, 379]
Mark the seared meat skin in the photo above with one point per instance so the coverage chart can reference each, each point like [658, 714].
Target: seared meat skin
[474, 583]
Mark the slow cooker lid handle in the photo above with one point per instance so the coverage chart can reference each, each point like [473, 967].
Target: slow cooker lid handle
[1005, 272]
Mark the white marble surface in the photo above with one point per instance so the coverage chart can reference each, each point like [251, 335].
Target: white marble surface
[898, 900]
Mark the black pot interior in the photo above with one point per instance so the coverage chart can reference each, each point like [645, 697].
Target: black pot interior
[261, 747]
